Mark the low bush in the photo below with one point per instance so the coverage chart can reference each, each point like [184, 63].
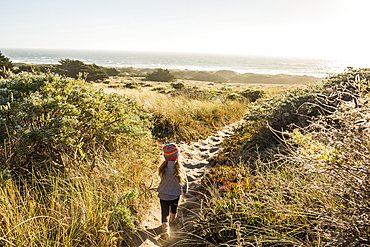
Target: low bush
[159, 89]
[160, 75]
[178, 85]
[255, 139]
[131, 85]
[48, 121]
[5, 65]
[253, 95]
[111, 71]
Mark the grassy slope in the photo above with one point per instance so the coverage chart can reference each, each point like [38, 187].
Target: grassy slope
[306, 189]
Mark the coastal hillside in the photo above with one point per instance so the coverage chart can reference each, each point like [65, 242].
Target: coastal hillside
[79, 159]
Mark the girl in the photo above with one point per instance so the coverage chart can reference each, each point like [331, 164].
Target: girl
[173, 183]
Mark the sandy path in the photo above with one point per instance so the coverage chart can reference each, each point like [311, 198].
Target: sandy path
[194, 158]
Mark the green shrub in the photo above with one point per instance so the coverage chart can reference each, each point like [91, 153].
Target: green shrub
[111, 71]
[5, 65]
[159, 89]
[234, 96]
[255, 138]
[349, 75]
[131, 85]
[49, 121]
[160, 75]
[253, 95]
[121, 217]
[226, 89]
[178, 85]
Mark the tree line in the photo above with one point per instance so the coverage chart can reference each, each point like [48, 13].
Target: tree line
[67, 67]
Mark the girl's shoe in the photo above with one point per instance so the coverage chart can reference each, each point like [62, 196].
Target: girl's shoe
[174, 220]
[165, 230]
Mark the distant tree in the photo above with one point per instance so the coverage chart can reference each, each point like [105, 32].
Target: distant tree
[69, 68]
[160, 75]
[111, 71]
[5, 65]
[73, 69]
[95, 73]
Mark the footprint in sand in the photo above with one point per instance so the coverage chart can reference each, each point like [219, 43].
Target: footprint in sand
[194, 158]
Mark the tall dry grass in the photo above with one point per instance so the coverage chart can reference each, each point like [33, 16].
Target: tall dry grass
[186, 118]
[270, 205]
[81, 207]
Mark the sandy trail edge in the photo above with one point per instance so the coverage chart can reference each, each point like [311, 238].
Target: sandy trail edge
[194, 158]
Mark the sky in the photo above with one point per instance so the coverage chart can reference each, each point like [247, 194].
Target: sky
[310, 28]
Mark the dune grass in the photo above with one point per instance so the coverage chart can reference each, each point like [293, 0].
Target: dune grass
[80, 207]
[184, 118]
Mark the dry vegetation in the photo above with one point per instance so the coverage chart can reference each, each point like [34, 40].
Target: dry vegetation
[296, 174]
[198, 102]
[77, 164]
[212, 81]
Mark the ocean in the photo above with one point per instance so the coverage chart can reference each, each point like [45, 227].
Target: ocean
[202, 62]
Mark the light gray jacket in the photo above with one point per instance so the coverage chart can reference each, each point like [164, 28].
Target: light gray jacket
[170, 188]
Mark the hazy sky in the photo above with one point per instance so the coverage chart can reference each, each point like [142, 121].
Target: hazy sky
[326, 28]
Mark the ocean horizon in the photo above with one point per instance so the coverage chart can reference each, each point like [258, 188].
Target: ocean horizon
[184, 61]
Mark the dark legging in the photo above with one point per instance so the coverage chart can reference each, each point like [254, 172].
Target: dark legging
[166, 206]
